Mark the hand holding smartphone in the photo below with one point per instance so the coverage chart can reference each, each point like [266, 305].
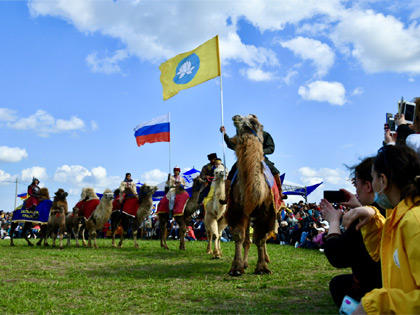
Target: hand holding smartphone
[335, 196]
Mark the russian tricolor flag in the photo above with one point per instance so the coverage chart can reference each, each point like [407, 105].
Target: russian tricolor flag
[156, 130]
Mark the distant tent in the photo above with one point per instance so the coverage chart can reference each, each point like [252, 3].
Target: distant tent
[302, 191]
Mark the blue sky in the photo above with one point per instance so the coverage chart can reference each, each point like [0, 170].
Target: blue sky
[77, 76]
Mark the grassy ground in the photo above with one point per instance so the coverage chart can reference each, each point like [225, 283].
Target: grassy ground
[151, 280]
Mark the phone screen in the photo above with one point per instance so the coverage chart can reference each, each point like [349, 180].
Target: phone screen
[334, 196]
[409, 112]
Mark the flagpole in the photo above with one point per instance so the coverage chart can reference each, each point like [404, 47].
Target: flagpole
[169, 116]
[221, 100]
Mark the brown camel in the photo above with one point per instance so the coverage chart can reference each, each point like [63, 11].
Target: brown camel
[57, 218]
[143, 210]
[250, 199]
[182, 220]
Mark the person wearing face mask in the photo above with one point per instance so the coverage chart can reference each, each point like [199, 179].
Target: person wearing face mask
[394, 240]
[344, 250]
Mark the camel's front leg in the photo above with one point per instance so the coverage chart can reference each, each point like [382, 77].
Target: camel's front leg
[89, 239]
[94, 239]
[262, 266]
[182, 231]
[238, 232]
[163, 235]
[247, 245]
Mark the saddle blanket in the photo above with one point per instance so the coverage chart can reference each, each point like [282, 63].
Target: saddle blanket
[88, 207]
[275, 193]
[179, 204]
[130, 206]
[39, 215]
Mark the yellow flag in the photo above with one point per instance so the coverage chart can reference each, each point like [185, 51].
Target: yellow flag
[191, 68]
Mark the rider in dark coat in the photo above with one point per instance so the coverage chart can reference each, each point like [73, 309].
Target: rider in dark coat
[33, 193]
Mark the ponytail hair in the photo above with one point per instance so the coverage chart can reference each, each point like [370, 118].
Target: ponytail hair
[401, 165]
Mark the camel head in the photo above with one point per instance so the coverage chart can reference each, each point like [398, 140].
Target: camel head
[198, 184]
[248, 125]
[219, 172]
[147, 191]
[108, 194]
[44, 194]
[60, 194]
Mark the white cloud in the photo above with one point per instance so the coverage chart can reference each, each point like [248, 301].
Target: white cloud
[154, 177]
[12, 154]
[74, 174]
[94, 125]
[107, 65]
[319, 53]
[5, 177]
[411, 80]
[357, 91]
[36, 171]
[310, 176]
[77, 176]
[381, 43]
[44, 123]
[255, 74]
[289, 76]
[7, 114]
[323, 91]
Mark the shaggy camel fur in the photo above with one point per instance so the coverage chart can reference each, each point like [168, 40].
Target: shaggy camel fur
[214, 218]
[57, 218]
[190, 208]
[99, 217]
[144, 209]
[75, 220]
[250, 197]
[44, 195]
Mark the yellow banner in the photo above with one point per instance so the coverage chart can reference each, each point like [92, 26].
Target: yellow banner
[191, 68]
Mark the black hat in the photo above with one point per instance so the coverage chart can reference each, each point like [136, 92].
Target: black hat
[212, 156]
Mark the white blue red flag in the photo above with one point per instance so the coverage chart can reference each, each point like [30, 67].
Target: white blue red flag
[156, 130]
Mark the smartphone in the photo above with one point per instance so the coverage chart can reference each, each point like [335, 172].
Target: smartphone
[334, 196]
[390, 122]
[408, 109]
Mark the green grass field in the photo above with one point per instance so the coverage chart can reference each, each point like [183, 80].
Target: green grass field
[152, 280]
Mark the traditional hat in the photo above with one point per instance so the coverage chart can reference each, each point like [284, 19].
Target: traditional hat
[212, 156]
[176, 168]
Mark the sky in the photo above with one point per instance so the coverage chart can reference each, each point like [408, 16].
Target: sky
[76, 77]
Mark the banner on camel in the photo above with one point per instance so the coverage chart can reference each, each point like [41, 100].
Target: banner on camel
[39, 215]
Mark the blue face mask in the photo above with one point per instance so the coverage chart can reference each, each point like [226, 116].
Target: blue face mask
[382, 201]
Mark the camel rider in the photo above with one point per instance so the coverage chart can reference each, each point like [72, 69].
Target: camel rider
[207, 174]
[171, 184]
[34, 194]
[127, 189]
[268, 148]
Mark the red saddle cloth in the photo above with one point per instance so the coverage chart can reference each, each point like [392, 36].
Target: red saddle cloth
[179, 204]
[30, 202]
[130, 206]
[88, 207]
[275, 194]
[116, 205]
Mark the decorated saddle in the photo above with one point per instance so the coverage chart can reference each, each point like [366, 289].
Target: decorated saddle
[39, 215]
[130, 206]
[116, 205]
[179, 204]
[88, 207]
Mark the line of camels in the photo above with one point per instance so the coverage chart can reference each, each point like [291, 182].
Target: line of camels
[249, 203]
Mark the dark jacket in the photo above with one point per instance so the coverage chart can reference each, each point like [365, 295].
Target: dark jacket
[348, 250]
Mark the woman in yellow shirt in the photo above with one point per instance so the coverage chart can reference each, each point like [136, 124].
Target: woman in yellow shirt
[395, 240]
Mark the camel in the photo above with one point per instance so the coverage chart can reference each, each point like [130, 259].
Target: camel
[250, 199]
[214, 218]
[184, 218]
[86, 207]
[75, 221]
[57, 218]
[143, 206]
[99, 216]
[44, 195]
